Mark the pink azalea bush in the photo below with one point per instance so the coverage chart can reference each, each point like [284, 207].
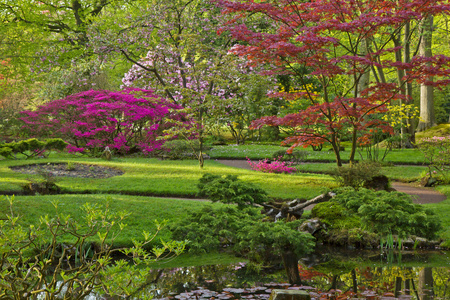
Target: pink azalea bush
[126, 120]
[274, 166]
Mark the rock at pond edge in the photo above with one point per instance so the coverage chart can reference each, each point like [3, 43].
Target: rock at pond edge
[289, 295]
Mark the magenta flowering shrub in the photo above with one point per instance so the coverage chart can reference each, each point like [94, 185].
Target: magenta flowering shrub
[274, 166]
[89, 121]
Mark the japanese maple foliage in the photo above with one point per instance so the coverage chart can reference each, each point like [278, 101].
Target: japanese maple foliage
[348, 47]
[92, 120]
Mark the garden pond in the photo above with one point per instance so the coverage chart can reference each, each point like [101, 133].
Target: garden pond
[326, 274]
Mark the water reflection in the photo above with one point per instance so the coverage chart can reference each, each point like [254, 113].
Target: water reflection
[369, 276]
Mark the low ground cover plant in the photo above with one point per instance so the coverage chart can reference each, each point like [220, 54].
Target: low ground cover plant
[125, 121]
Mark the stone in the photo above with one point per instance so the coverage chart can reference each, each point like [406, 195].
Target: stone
[428, 181]
[311, 226]
[289, 295]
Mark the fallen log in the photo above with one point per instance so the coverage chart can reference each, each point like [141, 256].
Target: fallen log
[293, 208]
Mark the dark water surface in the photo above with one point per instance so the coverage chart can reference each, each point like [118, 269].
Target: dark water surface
[327, 274]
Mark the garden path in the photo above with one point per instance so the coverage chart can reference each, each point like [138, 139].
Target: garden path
[420, 195]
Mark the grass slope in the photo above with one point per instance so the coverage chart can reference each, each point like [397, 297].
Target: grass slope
[143, 210]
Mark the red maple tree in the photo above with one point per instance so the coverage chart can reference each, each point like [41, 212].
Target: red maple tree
[348, 47]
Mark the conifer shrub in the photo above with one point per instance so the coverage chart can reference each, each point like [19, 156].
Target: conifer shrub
[31, 147]
[242, 232]
[389, 213]
[355, 175]
[230, 189]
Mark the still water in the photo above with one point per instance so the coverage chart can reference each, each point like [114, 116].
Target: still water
[328, 274]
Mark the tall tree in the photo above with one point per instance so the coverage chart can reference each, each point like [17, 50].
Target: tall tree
[175, 49]
[427, 118]
[327, 37]
[47, 36]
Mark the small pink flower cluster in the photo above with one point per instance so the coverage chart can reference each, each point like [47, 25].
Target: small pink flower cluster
[274, 166]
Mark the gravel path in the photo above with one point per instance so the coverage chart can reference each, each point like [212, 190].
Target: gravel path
[420, 195]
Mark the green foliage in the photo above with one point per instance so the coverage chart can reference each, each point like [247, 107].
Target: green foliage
[355, 175]
[390, 213]
[6, 151]
[262, 239]
[31, 147]
[229, 189]
[74, 270]
[46, 185]
[335, 215]
[154, 177]
[295, 157]
[241, 231]
[180, 149]
[437, 156]
[214, 228]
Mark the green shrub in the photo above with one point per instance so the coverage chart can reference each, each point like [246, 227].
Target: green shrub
[262, 240]
[357, 174]
[6, 151]
[295, 157]
[230, 189]
[390, 213]
[181, 149]
[335, 215]
[31, 147]
[214, 228]
[240, 231]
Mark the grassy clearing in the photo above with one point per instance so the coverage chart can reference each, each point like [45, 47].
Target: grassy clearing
[144, 176]
[398, 156]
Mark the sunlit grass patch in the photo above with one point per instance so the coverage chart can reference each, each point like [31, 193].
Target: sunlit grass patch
[145, 176]
[143, 211]
[254, 151]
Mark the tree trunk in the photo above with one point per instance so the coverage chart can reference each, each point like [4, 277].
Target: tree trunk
[336, 149]
[408, 88]
[334, 282]
[407, 286]
[355, 282]
[290, 262]
[426, 283]
[398, 286]
[427, 118]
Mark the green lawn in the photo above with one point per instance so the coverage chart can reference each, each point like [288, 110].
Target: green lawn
[149, 176]
[256, 151]
[143, 210]
[144, 176]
